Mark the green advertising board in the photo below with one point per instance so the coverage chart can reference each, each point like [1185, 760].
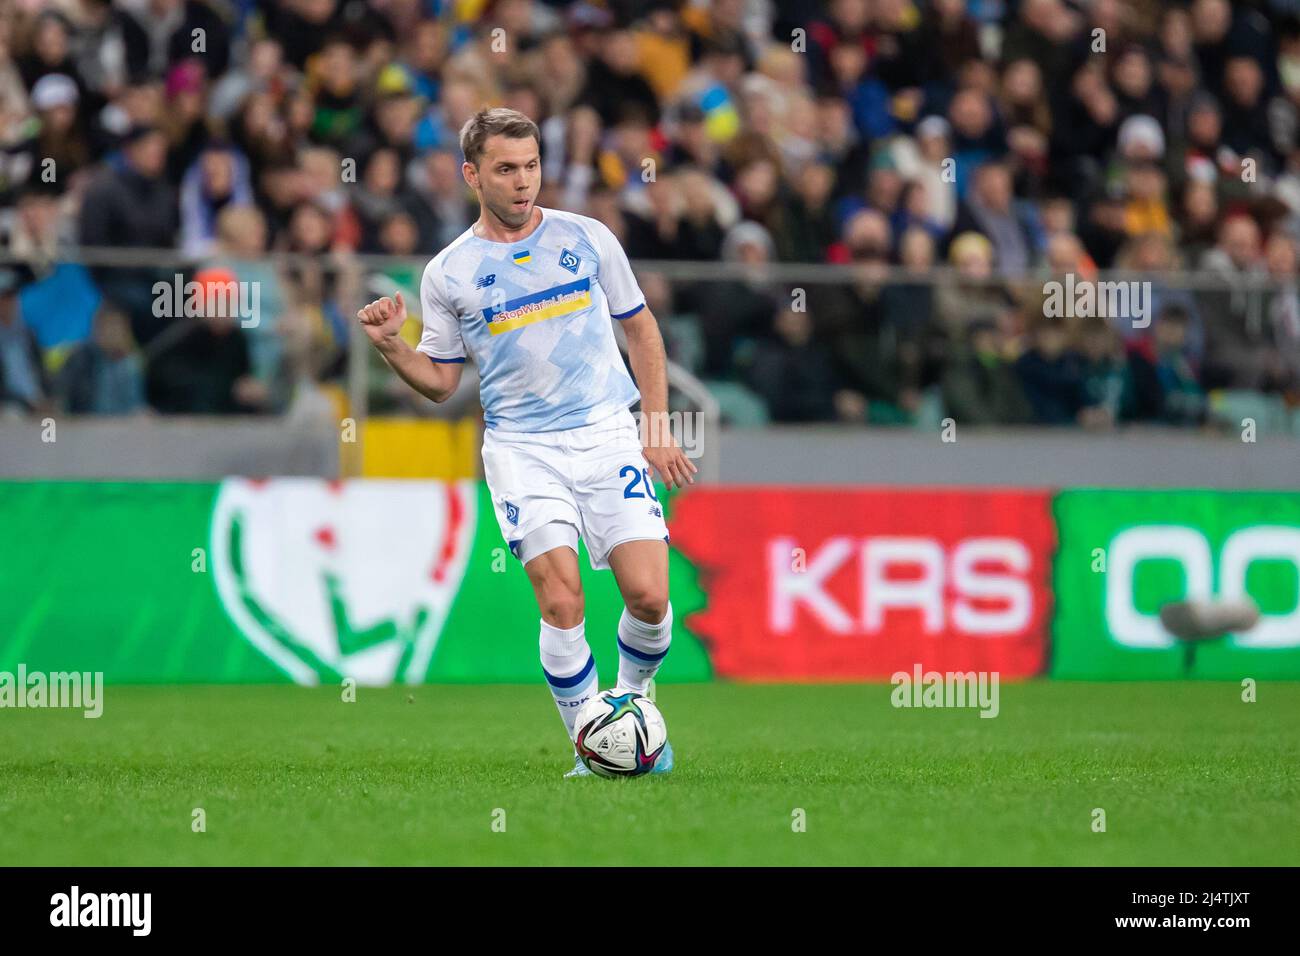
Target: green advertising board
[1122, 554]
[285, 580]
[409, 581]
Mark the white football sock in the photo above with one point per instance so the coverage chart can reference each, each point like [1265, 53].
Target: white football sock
[641, 649]
[569, 668]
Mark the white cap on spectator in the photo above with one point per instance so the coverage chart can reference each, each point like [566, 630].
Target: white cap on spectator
[54, 90]
[1142, 133]
[747, 233]
[115, 119]
[933, 126]
[1200, 169]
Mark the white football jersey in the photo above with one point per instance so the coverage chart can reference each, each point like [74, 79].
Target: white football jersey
[535, 317]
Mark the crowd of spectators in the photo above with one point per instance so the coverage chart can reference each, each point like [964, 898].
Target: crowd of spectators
[997, 144]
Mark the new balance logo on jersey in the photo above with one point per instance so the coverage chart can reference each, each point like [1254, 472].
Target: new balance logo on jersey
[569, 261]
[482, 282]
[512, 513]
[655, 512]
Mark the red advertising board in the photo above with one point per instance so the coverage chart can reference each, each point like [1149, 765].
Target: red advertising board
[852, 584]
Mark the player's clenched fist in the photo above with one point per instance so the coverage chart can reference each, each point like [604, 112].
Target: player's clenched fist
[383, 318]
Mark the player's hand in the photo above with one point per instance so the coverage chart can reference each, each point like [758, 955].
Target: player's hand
[383, 318]
[666, 459]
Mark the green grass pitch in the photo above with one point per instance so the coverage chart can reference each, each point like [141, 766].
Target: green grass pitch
[1186, 773]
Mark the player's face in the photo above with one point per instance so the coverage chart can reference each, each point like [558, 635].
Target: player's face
[508, 178]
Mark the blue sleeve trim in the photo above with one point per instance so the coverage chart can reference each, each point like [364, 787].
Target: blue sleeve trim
[448, 361]
[631, 312]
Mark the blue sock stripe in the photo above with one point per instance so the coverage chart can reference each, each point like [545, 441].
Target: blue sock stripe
[576, 681]
[645, 657]
[582, 690]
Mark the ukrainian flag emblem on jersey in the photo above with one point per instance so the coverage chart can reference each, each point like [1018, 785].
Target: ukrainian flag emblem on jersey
[538, 307]
[522, 258]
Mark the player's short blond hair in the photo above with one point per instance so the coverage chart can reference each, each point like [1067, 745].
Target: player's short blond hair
[497, 121]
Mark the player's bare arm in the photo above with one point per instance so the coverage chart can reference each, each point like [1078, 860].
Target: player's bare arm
[645, 349]
[382, 320]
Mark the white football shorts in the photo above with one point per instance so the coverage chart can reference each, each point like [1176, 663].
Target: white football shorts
[593, 478]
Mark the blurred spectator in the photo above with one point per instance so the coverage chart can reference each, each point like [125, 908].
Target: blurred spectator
[156, 34]
[683, 339]
[1237, 338]
[976, 137]
[60, 299]
[438, 184]
[990, 211]
[1246, 129]
[954, 41]
[931, 164]
[863, 329]
[806, 224]
[183, 119]
[1084, 131]
[796, 376]
[1198, 225]
[1145, 210]
[1105, 230]
[976, 293]
[219, 177]
[1051, 375]
[41, 230]
[1107, 377]
[241, 248]
[61, 145]
[616, 89]
[263, 70]
[1042, 34]
[1283, 308]
[24, 387]
[1165, 384]
[132, 207]
[201, 366]
[1065, 254]
[980, 387]
[380, 196]
[676, 220]
[104, 376]
[736, 311]
[1153, 257]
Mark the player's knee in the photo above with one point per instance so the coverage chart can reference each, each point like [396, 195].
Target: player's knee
[561, 604]
[648, 603]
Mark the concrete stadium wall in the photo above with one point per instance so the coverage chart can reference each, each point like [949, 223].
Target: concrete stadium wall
[207, 449]
[167, 448]
[1012, 458]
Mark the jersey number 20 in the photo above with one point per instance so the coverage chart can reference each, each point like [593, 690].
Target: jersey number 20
[639, 476]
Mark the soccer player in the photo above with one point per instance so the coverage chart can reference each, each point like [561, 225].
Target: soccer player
[529, 293]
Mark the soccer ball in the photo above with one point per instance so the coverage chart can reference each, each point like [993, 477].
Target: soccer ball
[619, 734]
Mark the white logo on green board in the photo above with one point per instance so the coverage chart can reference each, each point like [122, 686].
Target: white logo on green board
[342, 579]
[1207, 575]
